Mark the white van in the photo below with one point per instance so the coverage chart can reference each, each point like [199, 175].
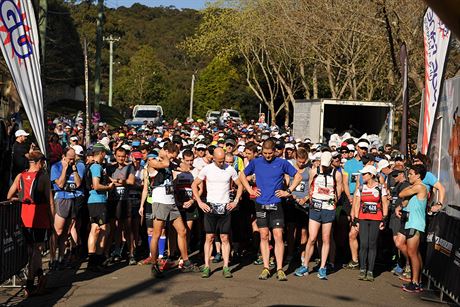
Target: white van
[145, 112]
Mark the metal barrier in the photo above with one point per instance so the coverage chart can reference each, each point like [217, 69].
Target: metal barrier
[13, 247]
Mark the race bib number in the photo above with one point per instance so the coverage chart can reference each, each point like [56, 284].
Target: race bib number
[324, 191]
[301, 187]
[317, 204]
[218, 208]
[272, 207]
[369, 207]
[120, 191]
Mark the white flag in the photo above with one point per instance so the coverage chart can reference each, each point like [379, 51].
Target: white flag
[20, 48]
[436, 38]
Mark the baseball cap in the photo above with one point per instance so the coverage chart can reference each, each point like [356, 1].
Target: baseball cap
[78, 150]
[363, 143]
[136, 155]
[326, 158]
[230, 141]
[351, 147]
[74, 138]
[382, 164]
[20, 133]
[136, 143]
[200, 146]
[98, 147]
[369, 169]
[289, 146]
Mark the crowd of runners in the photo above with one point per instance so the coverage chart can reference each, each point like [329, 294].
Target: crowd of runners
[237, 193]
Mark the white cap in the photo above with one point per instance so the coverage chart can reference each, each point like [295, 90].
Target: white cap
[289, 146]
[126, 147]
[369, 169]
[105, 141]
[326, 158]
[20, 133]
[351, 147]
[382, 164]
[316, 156]
[78, 150]
[200, 146]
[74, 138]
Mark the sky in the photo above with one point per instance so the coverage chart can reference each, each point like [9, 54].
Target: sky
[194, 4]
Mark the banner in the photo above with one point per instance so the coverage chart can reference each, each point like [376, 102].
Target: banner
[405, 100]
[20, 48]
[436, 39]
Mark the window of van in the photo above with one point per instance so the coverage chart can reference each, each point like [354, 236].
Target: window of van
[147, 113]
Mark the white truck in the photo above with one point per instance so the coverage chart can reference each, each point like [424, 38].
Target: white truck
[144, 112]
[320, 118]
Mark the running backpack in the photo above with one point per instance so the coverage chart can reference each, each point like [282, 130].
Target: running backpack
[27, 193]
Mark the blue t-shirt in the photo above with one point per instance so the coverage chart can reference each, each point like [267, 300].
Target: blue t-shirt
[97, 196]
[429, 181]
[352, 168]
[269, 177]
[56, 170]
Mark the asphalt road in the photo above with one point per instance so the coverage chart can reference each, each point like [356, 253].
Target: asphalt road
[133, 286]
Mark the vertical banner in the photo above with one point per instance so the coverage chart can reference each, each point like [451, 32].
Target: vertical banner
[436, 39]
[405, 100]
[20, 48]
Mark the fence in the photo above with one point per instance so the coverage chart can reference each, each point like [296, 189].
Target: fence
[13, 248]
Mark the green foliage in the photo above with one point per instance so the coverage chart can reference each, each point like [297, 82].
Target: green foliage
[141, 81]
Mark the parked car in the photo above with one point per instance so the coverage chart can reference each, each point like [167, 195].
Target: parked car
[229, 114]
[212, 116]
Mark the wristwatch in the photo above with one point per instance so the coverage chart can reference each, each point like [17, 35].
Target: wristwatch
[289, 191]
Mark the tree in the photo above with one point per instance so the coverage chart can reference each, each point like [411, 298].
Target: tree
[141, 81]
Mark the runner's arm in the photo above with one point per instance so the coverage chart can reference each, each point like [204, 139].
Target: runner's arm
[244, 181]
[195, 190]
[14, 188]
[441, 191]
[346, 186]
[339, 184]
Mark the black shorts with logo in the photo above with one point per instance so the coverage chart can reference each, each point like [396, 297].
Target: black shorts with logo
[269, 218]
[98, 213]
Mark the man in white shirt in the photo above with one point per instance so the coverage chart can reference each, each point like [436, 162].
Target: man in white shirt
[217, 218]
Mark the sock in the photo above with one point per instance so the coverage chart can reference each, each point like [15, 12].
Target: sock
[91, 259]
[302, 260]
[161, 246]
[149, 240]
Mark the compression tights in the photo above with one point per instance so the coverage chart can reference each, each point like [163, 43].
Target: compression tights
[368, 235]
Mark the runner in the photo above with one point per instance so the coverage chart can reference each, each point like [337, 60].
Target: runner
[270, 173]
[325, 186]
[37, 212]
[371, 210]
[415, 225]
[217, 209]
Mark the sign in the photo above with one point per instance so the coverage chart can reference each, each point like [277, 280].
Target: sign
[436, 38]
[20, 48]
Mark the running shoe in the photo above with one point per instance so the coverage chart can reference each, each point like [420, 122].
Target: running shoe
[259, 261]
[146, 261]
[217, 258]
[322, 273]
[265, 274]
[352, 265]
[370, 276]
[271, 264]
[301, 271]
[206, 272]
[189, 267]
[280, 275]
[397, 270]
[180, 264]
[156, 272]
[411, 287]
[164, 264]
[132, 260]
[362, 275]
[226, 272]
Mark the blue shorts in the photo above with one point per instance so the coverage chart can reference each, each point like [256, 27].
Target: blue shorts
[322, 216]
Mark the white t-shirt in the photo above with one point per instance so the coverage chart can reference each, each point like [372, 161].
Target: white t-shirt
[199, 164]
[218, 182]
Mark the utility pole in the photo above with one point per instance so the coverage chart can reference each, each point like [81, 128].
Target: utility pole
[191, 96]
[97, 70]
[88, 108]
[111, 40]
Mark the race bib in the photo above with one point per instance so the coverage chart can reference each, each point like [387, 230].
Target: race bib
[317, 204]
[270, 207]
[217, 208]
[120, 191]
[370, 207]
[301, 187]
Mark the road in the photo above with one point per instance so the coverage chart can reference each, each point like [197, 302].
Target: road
[133, 286]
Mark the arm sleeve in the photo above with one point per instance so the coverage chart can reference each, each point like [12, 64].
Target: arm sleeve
[249, 170]
[289, 169]
[202, 174]
[81, 169]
